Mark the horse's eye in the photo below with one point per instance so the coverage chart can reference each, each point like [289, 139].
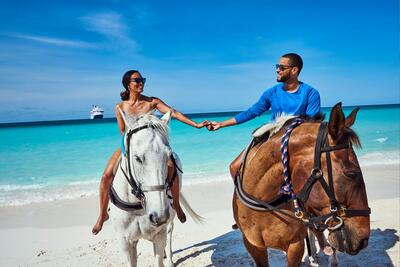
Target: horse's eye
[138, 159]
[352, 174]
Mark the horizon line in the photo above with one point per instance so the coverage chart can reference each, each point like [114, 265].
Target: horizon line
[190, 115]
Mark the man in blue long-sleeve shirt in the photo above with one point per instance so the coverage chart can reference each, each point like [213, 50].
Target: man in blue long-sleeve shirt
[289, 97]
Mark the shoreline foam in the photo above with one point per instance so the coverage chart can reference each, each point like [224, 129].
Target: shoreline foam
[15, 195]
[58, 233]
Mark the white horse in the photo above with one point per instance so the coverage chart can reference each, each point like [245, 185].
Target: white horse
[140, 189]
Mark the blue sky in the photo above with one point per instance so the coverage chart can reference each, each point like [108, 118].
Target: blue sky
[57, 58]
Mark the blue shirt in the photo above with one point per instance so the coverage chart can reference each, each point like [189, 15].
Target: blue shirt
[305, 100]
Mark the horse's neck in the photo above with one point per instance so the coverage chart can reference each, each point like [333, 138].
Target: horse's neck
[263, 170]
[121, 185]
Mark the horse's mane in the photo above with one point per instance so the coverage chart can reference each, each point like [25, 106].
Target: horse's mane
[348, 134]
[319, 117]
[151, 120]
[283, 121]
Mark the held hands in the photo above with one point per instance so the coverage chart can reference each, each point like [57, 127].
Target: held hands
[211, 125]
[214, 125]
[203, 124]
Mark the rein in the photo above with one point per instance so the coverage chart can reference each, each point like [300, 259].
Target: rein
[320, 223]
[137, 189]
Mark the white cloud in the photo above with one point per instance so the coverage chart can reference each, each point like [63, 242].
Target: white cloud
[111, 25]
[54, 41]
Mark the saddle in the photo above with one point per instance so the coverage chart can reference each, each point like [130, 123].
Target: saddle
[261, 135]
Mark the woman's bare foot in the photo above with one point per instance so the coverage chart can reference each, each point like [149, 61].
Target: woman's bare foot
[99, 224]
[181, 215]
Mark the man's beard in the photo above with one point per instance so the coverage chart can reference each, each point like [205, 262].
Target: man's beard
[282, 79]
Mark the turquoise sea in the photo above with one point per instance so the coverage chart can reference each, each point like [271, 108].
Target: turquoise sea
[45, 162]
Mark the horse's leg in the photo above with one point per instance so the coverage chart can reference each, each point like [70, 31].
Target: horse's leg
[295, 253]
[130, 251]
[260, 256]
[170, 228]
[159, 243]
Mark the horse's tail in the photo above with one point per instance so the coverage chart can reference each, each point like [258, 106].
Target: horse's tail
[196, 217]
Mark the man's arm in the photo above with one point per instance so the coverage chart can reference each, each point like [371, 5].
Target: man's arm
[262, 105]
[314, 103]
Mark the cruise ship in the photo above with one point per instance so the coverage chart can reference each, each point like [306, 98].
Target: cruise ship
[96, 112]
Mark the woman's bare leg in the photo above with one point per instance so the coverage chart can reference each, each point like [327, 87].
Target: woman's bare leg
[175, 192]
[105, 184]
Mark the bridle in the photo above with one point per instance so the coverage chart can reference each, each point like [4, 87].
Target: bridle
[137, 189]
[320, 223]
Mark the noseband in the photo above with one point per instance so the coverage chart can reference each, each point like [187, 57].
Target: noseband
[337, 211]
[137, 189]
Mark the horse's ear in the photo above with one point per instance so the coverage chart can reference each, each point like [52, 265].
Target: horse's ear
[166, 117]
[123, 117]
[352, 117]
[336, 121]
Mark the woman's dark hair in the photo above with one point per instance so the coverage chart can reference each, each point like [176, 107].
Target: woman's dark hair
[126, 79]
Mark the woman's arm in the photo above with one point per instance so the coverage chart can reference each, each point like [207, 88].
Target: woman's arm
[120, 120]
[164, 108]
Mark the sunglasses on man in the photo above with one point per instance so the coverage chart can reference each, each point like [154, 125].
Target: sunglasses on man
[138, 80]
[282, 67]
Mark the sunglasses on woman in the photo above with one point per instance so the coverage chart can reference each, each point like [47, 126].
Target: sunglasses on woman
[138, 80]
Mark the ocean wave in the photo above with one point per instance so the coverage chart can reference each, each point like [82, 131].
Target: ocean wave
[8, 187]
[194, 179]
[381, 140]
[87, 182]
[15, 195]
[380, 158]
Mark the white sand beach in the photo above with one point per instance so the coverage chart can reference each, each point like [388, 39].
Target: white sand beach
[59, 233]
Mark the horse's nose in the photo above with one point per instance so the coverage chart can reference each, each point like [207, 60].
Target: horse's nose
[157, 220]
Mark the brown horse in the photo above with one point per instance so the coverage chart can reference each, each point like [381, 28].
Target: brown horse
[333, 197]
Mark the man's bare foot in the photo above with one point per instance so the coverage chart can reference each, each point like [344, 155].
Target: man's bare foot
[99, 224]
